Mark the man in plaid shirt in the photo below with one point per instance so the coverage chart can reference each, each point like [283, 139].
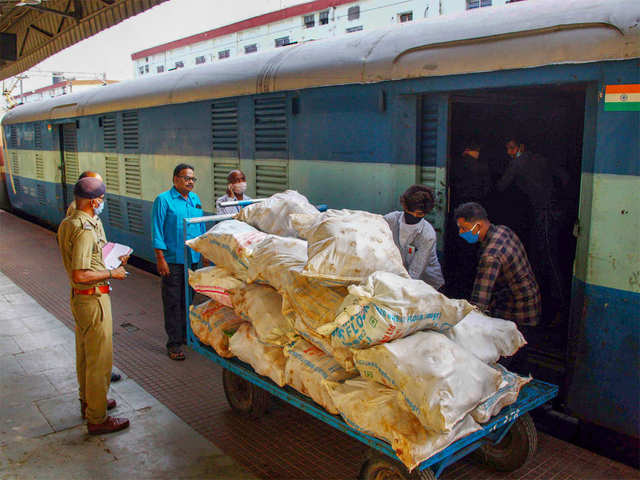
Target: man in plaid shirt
[505, 285]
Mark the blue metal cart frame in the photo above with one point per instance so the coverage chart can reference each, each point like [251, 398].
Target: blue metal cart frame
[531, 396]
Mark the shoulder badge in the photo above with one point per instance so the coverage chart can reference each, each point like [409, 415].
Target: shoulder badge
[87, 226]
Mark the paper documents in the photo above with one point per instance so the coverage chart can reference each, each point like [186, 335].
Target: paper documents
[112, 252]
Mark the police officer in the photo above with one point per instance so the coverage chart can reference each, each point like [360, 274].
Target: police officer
[78, 239]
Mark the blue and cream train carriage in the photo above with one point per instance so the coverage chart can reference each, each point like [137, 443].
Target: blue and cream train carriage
[352, 121]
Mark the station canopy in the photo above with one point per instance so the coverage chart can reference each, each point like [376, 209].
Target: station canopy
[33, 30]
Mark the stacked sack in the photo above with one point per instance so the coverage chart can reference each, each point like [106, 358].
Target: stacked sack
[325, 305]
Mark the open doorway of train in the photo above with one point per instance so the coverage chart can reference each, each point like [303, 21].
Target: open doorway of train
[549, 121]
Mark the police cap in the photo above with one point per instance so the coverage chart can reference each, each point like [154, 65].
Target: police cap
[89, 187]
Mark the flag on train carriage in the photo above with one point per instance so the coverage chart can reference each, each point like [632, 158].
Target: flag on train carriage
[622, 98]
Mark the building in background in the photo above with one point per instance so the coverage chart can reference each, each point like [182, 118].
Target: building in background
[296, 24]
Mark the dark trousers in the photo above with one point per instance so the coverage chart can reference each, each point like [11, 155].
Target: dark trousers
[173, 304]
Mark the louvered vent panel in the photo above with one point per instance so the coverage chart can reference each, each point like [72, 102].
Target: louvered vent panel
[42, 196]
[224, 125]
[70, 147]
[112, 174]
[109, 133]
[271, 177]
[136, 223]
[15, 170]
[13, 140]
[37, 135]
[39, 166]
[220, 171]
[130, 131]
[271, 123]
[429, 135]
[115, 213]
[132, 176]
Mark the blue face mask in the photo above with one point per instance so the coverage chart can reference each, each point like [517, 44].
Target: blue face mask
[99, 210]
[469, 236]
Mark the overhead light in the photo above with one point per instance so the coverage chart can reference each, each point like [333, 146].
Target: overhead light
[26, 3]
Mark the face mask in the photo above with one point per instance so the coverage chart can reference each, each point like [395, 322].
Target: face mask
[239, 188]
[469, 236]
[411, 219]
[99, 209]
[518, 153]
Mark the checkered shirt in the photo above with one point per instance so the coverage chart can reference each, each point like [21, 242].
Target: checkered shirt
[505, 285]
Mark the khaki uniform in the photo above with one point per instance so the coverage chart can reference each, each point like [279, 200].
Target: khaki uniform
[81, 238]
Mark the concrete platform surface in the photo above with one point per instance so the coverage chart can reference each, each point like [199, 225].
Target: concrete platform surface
[42, 435]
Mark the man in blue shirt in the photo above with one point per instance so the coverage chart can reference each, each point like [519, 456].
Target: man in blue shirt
[170, 208]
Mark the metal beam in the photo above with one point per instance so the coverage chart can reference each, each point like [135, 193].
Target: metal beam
[40, 30]
[51, 10]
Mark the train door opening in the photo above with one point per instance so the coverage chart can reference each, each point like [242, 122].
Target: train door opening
[549, 121]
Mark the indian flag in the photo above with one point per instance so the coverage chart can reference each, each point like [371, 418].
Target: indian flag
[622, 98]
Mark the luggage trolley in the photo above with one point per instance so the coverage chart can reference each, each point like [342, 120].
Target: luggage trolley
[507, 442]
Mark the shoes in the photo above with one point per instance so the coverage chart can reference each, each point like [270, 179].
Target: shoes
[115, 377]
[175, 353]
[111, 404]
[110, 425]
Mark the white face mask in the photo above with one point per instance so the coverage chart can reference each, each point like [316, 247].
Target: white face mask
[239, 188]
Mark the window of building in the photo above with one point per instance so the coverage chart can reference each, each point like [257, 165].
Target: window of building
[224, 54]
[200, 60]
[146, 69]
[282, 41]
[353, 13]
[179, 64]
[146, 59]
[141, 70]
[354, 29]
[160, 68]
[405, 17]
[309, 20]
[251, 48]
[478, 3]
[324, 17]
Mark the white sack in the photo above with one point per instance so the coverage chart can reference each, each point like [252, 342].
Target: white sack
[307, 367]
[228, 244]
[342, 355]
[378, 411]
[439, 381]
[215, 283]
[486, 337]
[262, 306]
[214, 324]
[273, 215]
[387, 307]
[346, 246]
[277, 260]
[506, 395]
[267, 360]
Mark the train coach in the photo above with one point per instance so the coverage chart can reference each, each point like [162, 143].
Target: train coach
[352, 121]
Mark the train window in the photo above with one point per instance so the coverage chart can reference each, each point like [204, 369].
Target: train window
[405, 17]
[282, 41]
[354, 29]
[224, 125]
[478, 3]
[200, 60]
[179, 64]
[223, 54]
[353, 13]
[160, 68]
[309, 20]
[130, 131]
[251, 48]
[324, 17]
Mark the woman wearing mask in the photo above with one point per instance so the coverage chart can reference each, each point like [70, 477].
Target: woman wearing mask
[235, 192]
[415, 237]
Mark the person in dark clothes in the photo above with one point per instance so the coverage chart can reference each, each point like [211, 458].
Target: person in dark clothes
[540, 180]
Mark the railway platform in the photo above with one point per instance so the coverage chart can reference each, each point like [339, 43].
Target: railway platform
[181, 424]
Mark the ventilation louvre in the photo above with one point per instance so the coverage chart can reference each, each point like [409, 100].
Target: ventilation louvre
[136, 223]
[271, 177]
[112, 174]
[15, 171]
[133, 176]
[109, 133]
[42, 196]
[224, 125]
[13, 140]
[221, 170]
[39, 166]
[37, 135]
[115, 213]
[130, 131]
[70, 147]
[271, 123]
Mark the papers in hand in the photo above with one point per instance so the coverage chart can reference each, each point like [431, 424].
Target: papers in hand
[112, 252]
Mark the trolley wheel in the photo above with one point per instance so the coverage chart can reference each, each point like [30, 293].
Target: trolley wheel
[382, 468]
[243, 396]
[516, 448]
